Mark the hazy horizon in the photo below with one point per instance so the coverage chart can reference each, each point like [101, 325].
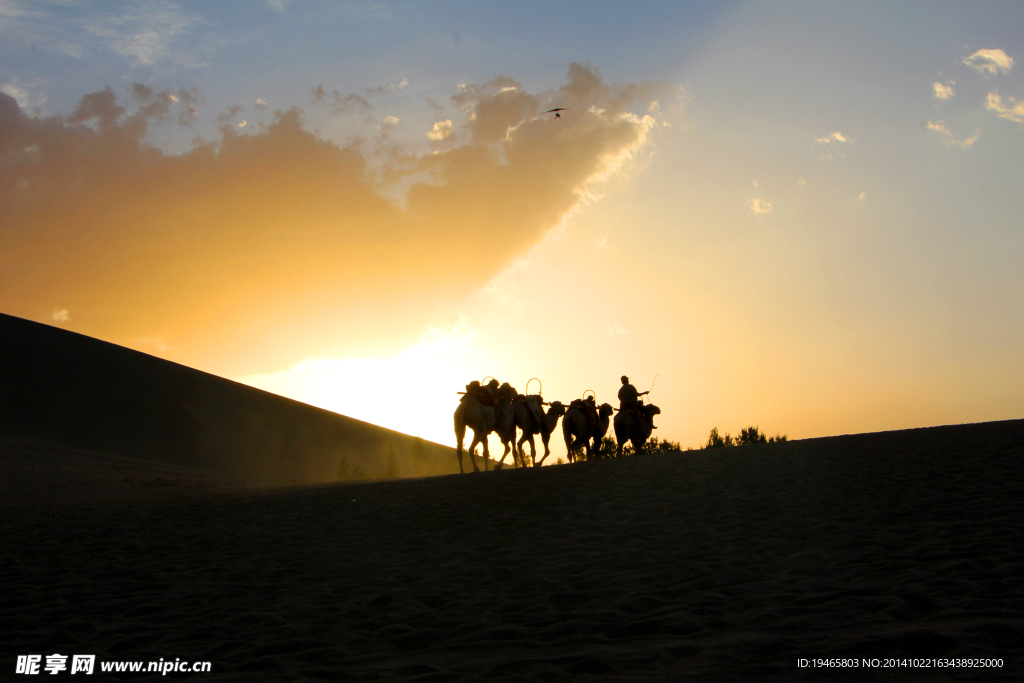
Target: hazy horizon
[805, 217]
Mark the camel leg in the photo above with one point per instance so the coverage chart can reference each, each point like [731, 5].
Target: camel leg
[577, 448]
[460, 434]
[533, 451]
[544, 439]
[472, 452]
[522, 453]
[541, 461]
[503, 456]
[487, 452]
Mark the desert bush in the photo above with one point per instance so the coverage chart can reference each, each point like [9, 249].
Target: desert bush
[656, 445]
[606, 449]
[748, 436]
[717, 441]
[608, 446]
[751, 435]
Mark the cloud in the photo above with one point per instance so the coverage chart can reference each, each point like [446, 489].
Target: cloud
[836, 137]
[495, 107]
[800, 181]
[149, 32]
[940, 128]
[943, 92]
[260, 104]
[61, 316]
[617, 330]
[966, 142]
[862, 195]
[1014, 112]
[340, 104]
[989, 62]
[384, 90]
[391, 120]
[229, 113]
[433, 105]
[276, 5]
[32, 101]
[442, 131]
[759, 206]
[250, 250]
[344, 104]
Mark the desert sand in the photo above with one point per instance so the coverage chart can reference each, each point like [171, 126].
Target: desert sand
[724, 564]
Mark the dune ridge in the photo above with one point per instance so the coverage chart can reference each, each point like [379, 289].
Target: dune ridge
[74, 391]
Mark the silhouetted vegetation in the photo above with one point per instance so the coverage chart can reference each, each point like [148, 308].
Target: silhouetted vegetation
[748, 436]
[608, 446]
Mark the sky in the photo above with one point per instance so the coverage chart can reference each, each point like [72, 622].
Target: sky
[801, 216]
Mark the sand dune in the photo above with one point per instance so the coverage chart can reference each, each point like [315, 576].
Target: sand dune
[68, 389]
[729, 564]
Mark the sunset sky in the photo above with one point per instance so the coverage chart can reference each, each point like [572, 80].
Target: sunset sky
[803, 216]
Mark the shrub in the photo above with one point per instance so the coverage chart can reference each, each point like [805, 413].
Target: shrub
[656, 445]
[751, 435]
[717, 441]
[748, 436]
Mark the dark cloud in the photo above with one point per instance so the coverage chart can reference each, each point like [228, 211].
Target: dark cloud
[229, 113]
[341, 104]
[275, 245]
[349, 103]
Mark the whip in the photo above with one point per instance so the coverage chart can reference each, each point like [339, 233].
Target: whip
[652, 387]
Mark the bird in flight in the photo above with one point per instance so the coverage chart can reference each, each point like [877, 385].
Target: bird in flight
[556, 110]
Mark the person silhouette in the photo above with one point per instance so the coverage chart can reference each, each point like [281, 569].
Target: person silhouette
[629, 398]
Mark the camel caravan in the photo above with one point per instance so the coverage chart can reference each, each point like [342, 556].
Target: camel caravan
[499, 408]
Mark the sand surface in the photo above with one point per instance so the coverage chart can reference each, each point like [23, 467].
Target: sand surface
[715, 565]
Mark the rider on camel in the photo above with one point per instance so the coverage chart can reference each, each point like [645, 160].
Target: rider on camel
[629, 400]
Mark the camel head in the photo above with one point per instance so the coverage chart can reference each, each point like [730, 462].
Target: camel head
[605, 410]
[652, 410]
[556, 408]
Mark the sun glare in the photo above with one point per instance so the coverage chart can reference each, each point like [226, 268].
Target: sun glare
[414, 393]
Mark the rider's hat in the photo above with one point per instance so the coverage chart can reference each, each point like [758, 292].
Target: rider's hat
[625, 379]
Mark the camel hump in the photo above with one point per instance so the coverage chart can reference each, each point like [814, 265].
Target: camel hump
[588, 409]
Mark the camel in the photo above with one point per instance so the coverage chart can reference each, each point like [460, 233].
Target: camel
[482, 420]
[526, 420]
[580, 432]
[627, 428]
